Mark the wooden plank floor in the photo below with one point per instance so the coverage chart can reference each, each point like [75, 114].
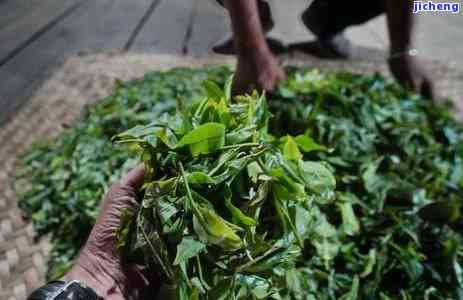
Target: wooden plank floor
[210, 24]
[37, 35]
[166, 31]
[26, 23]
[93, 25]
[12, 10]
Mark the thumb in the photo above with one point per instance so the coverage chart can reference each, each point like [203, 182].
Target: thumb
[125, 193]
[427, 89]
[134, 179]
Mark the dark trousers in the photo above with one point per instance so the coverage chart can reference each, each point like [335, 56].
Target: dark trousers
[329, 17]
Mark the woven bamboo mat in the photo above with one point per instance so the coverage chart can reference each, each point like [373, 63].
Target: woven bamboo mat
[81, 80]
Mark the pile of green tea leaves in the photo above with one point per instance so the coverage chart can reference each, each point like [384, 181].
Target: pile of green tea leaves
[345, 187]
[231, 212]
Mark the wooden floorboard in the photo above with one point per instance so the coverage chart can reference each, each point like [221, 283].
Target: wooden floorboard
[12, 10]
[146, 16]
[96, 25]
[22, 23]
[211, 24]
[166, 29]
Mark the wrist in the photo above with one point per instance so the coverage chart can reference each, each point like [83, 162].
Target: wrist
[251, 47]
[257, 56]
[103, 276]
[402, 46]
[408, 54]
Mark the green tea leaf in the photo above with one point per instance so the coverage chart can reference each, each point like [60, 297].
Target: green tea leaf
[205, 139]
[238, 216]
[370, 263]
[292, 281]
[199, 178]
[167, 137]
[213, 91]
[188, 248]
[307, 144]
[316, 176]
[353, 294]
[326, 241]
[213, 229]
[291, 150]
[350, 224]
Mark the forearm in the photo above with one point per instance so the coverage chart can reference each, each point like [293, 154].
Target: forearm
[400, 23]
[247, 29]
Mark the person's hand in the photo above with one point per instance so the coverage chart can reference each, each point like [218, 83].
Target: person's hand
[258, 70]
[407, 71]
[100, 265]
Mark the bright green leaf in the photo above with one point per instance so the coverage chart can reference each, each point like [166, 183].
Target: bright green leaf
[307, 144]
[205, 139]
[199, 178]
[291, 150]
[212, 228]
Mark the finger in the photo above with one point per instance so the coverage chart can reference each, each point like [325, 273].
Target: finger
[239, 89]
[427, 89]
[135, 178]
